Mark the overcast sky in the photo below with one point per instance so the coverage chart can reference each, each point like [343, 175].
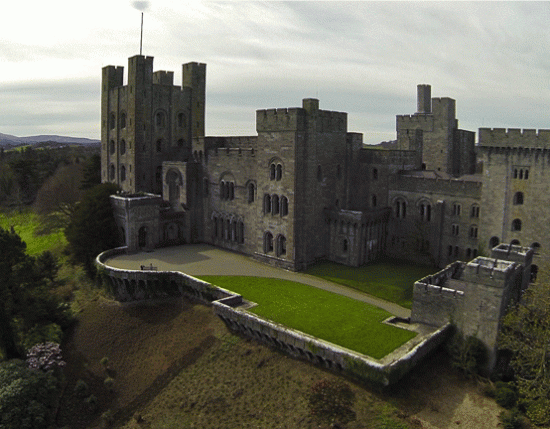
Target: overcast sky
[364, 58]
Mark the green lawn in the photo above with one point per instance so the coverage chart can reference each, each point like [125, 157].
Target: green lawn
[331, 317]
[27, 225]
[389, 280]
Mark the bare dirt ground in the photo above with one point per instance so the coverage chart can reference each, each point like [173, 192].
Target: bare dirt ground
[177, 366]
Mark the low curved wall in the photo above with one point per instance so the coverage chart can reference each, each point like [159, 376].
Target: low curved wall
[133, 285]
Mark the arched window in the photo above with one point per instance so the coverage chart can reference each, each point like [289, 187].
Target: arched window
[181, 120]
[112, 172]
[473, 231]
[516, 225]
[142, 236]
[279, 172]
[474, 211]
[536, 247]
[373, 199]
[425, 212]
[231, 191]
[375, 174]
[251, 192]
[112, 121]
[275, 204]
[267, 203]
[268, 242]
[160, 120]
[272, 171]
[345, 246]
[456, 209]
[112, 147]
[493, 242]
[534, 273]
[241, 232]
[400, 209]
[284, 206]
[122, 173]
[122, 147]
[518, 198]
[159, 145]
[515, 173]
[215, 225]
[515, 242]
[123, 120]
[222, 190]
[281, 245]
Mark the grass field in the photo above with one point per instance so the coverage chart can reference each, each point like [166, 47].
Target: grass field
[389, 280]
[28, 226]
[334, 318]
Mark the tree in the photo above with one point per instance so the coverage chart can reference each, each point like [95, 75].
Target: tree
[92, 172]
[27, 396]
[526, 335]
[93, 228]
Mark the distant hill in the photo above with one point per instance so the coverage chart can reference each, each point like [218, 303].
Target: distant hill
[7, 140]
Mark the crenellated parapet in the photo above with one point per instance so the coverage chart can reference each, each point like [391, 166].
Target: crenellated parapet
[288, 119]
[491, 272]
[424, 122]
[514, 138]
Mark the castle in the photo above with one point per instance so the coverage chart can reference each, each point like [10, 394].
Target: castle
[305, 188]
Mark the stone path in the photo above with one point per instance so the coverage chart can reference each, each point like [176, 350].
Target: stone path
[202, 260]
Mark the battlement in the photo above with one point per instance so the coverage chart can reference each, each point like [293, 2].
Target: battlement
[491, 271]
[514, 137]
[163, 77]
[286, 119]
[112, 77]
[451, 271]
[424, 121]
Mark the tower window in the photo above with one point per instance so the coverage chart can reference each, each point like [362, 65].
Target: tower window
[123, 120]
[474, 212]
[518, 198]
[122, 147]
[516, 225]
[375, 174]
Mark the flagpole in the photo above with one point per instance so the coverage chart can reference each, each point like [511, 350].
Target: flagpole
[141, 37]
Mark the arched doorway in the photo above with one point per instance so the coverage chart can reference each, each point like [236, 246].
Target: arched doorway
[142, 237]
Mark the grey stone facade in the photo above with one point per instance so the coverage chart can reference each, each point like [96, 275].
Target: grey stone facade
[305, 188]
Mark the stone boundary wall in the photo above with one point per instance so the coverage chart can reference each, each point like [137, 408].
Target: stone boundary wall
[133, 285]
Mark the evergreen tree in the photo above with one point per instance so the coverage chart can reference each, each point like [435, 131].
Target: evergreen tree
[92, 172]
[93, 229]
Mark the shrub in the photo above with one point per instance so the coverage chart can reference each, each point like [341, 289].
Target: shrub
[109, 417]
[505, 396]
[40, 334]
[512, 419]
[105, 362]
[81, 389]
[538, 411]
[468, 354]
[331, 401]
[109, 383]
[45, 357]
[91, 402]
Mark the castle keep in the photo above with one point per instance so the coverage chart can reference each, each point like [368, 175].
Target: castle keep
[305, 188]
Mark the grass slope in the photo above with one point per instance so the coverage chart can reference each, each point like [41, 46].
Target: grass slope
[334, 318]
[28, 226]
[389, 280]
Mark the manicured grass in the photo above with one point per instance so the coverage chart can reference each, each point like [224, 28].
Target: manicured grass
[389, 280]
[27, 225]
[331, 317]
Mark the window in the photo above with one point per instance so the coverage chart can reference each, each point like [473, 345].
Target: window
[319, 173]
[375, 174]
[279, 172]
[160, 120]
[205, 186]
[456, 209]
[518, 198]
[112, 121]
[112, 172]
[521, 173]
[251, 192]
[457, 251]
[455, 230]
[493, 242]
[123, 120]
[272, 172]
[514, 242]
[281, 245]
[181, 142]
[474, 211]
[373, 200]
[400, 209]
[267, 203]
[284, 206]
[231, 191]
[122, 173]
[275, 204]
[345, 246]
[473, 231]
[425, 212]
[181, 120]
[536, 247]
[122, 147]
[159, 145]
[112, 147]
[450, 250]
[268, 242]
[516, 225]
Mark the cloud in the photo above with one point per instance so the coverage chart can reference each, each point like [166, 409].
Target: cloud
[141, 5]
